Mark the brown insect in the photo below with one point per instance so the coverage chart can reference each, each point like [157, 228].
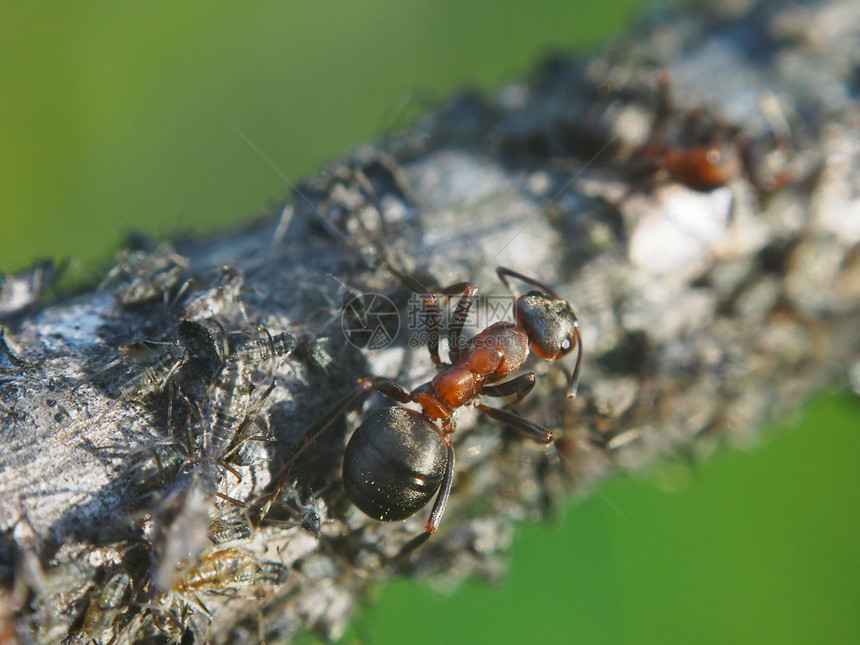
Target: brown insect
[399, 458]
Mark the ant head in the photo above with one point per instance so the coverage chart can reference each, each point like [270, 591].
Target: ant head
[550, 323]
[552, 327]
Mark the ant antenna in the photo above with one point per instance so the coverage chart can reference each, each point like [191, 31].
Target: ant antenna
[574, 378]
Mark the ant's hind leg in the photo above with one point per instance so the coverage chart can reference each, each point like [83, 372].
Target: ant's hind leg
[315, 429]
[438, 505]
[383, 385]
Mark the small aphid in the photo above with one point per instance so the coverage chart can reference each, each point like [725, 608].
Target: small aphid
[153, 466]
[106, 605]
[159, 275]
[222, 531]
[217, 572]
[311, 521]
[232, 567]
[259, 350]
[231, 401]
[181, 524]
[193, 347]
[308, 514]
[9, 360]
[171, 621]
[155, 373]
[222, 296]
[150, 377]
[206, 341]
[22, 290]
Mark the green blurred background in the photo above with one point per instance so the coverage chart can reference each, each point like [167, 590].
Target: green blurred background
[119, 116]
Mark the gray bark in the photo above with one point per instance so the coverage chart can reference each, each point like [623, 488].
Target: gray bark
[703, 313]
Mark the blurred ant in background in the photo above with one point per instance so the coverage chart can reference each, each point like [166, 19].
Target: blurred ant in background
[704, 156]
[708, 153]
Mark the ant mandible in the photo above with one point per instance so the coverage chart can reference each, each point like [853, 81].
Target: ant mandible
[398, 458]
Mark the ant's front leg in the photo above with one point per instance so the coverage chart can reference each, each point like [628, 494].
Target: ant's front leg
[433, 315]
[455, 331]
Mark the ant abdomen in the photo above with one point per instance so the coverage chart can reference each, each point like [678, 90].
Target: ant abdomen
[394, 463]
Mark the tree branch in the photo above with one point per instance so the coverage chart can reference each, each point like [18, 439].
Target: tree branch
[713, 293]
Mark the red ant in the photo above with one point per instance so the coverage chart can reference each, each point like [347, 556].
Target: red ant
[398, 458]
[702, 163]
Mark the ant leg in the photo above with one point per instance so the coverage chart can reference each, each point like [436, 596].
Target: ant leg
[433, 321]
[431, 311]
[232, 471]
[444, 490]
[232, 500]
[455, 331]
[385, 386]
[574, 378]
[505, 273]
[438, 505]
[315, 429]
[662, 110]
[242, 436]
[536, 432]
[255, 405]
[518, 387]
